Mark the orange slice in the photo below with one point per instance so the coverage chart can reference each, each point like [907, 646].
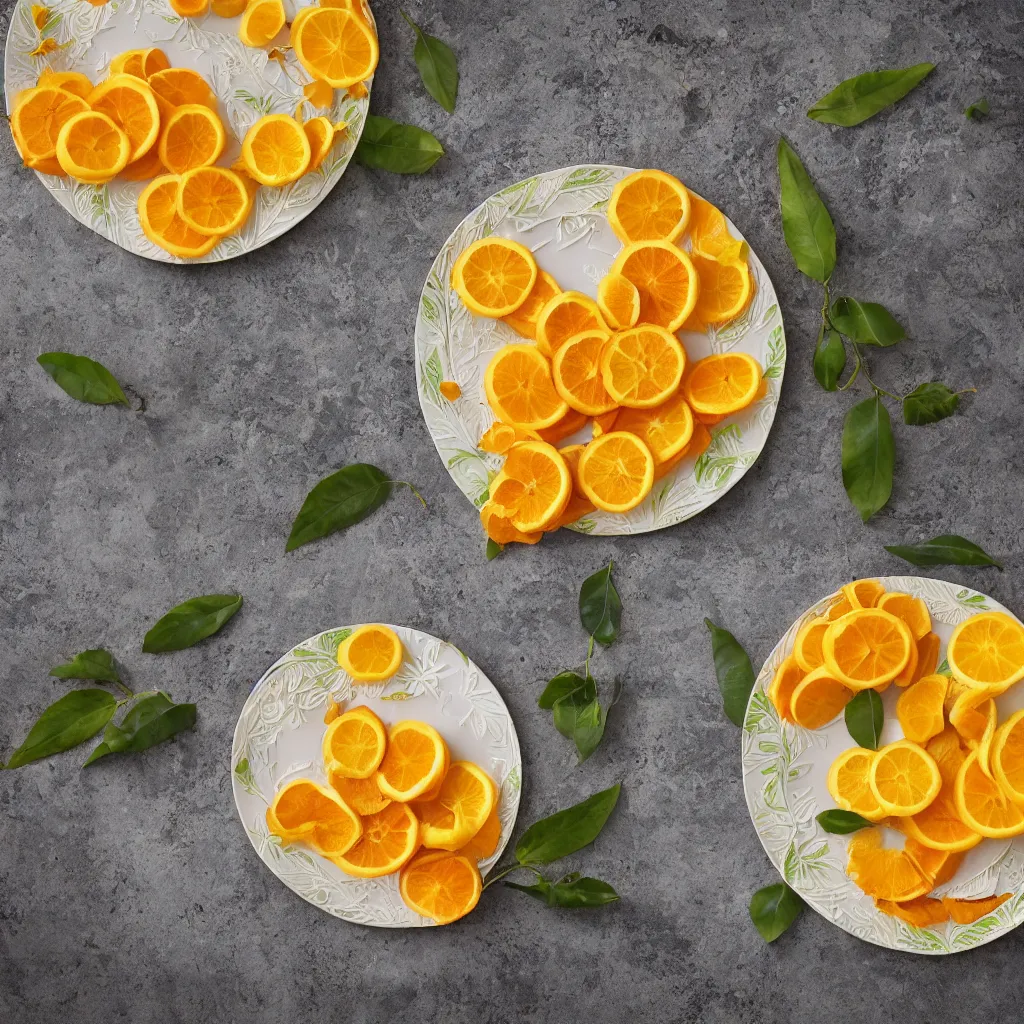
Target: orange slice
[920, 708]
[616, 471]
[193, 136]
[969, 911]
[982, 804]
[576, 370]
[649, 205]
[464, 802]
[494, 276]
[144, 168]
[39, 115]
[390, 838]
[320, 132]
[970, 714]
[867, 647]
[91, 147]
[540, 482]
[927, 655]
[912, 610]
[569, 424]
[213, 200]
[519, 388]
[709, 232]
[987, 650]
[140, 63]
[414, 762]
[441, 886]
[524, 319]
[938, 866]
[666, 279]
[70, 81]
[984, 747]
[275, 150]
[354, 744]
[619, 301]
[909, 673]
[500, 529]
[305, 811]
[605, 423]
[807, 646]
[228, 8]
[563, 317]
[362, 795]
[939, 825]
[371, 654]
[160, 223]
[881, 872]
[904, 778]
[838, 609]
[1007, 757]
[499, 437]
[849, 786]
[261, 21]
[129, 102]
[642, 367]
[786, 679]
[922, 912]
[722, 384]
[189, 8]
[666, 429]
[863, 593]
[579, 504]
[336, 46]
[181, 86]
[485, 842]
[818, 698]
[726, 289]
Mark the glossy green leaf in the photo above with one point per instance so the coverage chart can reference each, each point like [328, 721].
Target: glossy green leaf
[859, 98]
[806, 224]
[868, 323]
[73, 719]
[151, 720]
[929, 403]
[577, 892]
[338, 502]
[842, 823]
[438, 66]
[600, 607]
[865, 717]
[96, 664]
[578, 716]
[191, 621]
[493, 549]
[82, 378]
[979, 108]
[829, 359]
[567, 831]
[561, 686]
[869, 455]
[773, 909]
[733, 670]
[946, 549]
[399, 148]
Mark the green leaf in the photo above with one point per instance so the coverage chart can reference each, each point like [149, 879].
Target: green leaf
[866, 322]
[570, 892]
[82, 378]
[600, 607]
[578, 716]
[946, 549]
[73, 719]
[338, 502]
[869, 454]
[829, 359]
[493, 549]
[567, 831]
[151, 720]
[438, 67]
[842, 823]
[857, 99]
[734, 672]
[97, 664]
[929, 403]
[806, 224]
[561, 686]
[191, 621]
[773, 909]
[865, 717]
[399, 148]
[979, 108]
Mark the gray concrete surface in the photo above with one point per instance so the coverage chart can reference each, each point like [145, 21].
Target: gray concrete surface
[130, 893]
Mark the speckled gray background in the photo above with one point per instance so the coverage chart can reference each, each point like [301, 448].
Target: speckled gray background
[129, 892]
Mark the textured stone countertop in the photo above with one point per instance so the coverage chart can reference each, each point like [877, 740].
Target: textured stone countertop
[130, 892]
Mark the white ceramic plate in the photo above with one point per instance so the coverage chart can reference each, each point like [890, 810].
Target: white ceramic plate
[560, 216]
[785, 769]
[281, 727]
[247, 83]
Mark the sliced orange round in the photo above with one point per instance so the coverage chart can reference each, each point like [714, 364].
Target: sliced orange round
[70, 81]
[987, 650]
[920, 708]
[963, 911]
[649, 205]
[922, 912]
[722, 384]
[540, 478]
[818, 698]
[666, 279]
[642, 367]
[441, 886]
[984, 747]
[619, 301]
[276, 150]
[485, 842]
[565, 315]
[305, 811]
[320, 132]
[927, 655]
[523, 320]
[576, 370]
[389, 840]
[579, 504]
[849, 786]
[499, 437]
[144, 168]
[1007, 757]
[605, 423]
[568, 425]
[519, 388]
[465, 800]
[160, 223]
[786, 679]
[807, 646]
[494, 276]
[261, 21]
[666, 429]
[983, 806]
[193, 136]
[867, 647]
[91, 147]
[228, 8]
[838, 609]
[371, 654]
[181, 86]
[940, 827]
[726, 289]
[970, 713]
[129, 102]
[909, 673]
[709, 232]
[616, 471]
[904, 778]
[863, 593]
[354, 744]
[362, 795]
[213, 200]
[500, 529]
[336, 46]
[883, 872]
[39, 115]
[140, 63]
[912, 610]
[190, 8]
[414, 762]
[938, 866]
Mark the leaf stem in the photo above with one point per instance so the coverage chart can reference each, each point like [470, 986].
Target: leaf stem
[404, 483]
[127, 692]
[508, 871]
[590, 651]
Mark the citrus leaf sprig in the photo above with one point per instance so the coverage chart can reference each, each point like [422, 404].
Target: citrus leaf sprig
[773, 910]
[855, 100]
[438, 66]
[83, 378]
[946, 549]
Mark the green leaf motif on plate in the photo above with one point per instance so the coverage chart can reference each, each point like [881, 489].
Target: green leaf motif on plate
[715, 466]
[855, 100]
[776, 354]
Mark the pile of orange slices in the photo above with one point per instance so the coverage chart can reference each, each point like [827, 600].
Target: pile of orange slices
[956, 777]
[613, 363]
